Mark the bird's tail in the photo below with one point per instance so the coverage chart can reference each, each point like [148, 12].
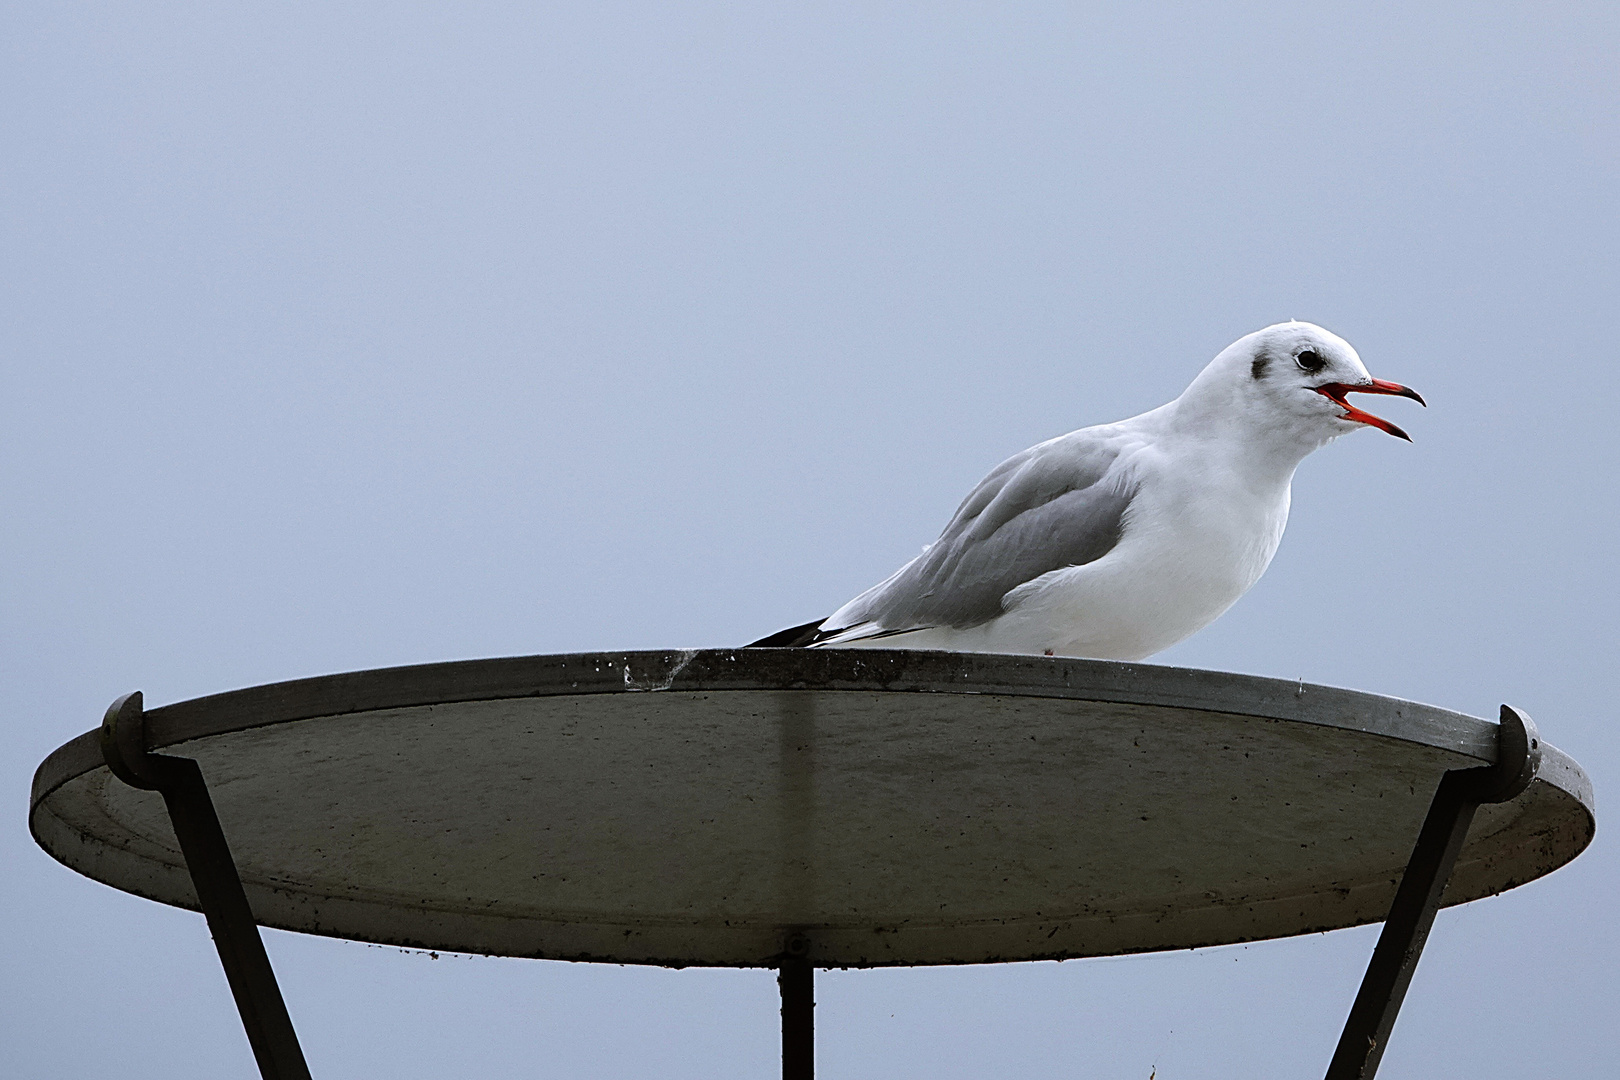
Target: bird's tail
[794, 637]
[811, 633]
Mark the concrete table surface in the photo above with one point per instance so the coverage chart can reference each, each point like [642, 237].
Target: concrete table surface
[892, 807]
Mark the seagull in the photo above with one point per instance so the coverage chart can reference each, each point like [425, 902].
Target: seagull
[1119, 540]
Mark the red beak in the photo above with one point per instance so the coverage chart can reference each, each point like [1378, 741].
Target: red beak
[1335, 391]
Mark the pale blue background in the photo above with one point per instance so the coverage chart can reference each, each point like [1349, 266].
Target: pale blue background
[345, 336]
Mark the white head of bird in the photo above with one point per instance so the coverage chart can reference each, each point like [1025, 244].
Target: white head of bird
[1284, 387]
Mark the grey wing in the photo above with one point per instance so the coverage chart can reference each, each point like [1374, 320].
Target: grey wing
[1062, 503]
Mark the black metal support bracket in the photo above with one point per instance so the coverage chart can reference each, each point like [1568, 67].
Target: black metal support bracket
[796, 977]
[1411, 916]
[219, 888]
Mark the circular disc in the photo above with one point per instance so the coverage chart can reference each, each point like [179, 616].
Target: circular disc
[892, 807]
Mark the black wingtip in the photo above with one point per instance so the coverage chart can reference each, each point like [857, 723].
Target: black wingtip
[794, 637]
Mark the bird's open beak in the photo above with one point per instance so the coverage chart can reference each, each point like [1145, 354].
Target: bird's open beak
[1335, 391]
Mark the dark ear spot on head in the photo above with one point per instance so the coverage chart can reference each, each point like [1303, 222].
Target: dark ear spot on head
[1258, 368]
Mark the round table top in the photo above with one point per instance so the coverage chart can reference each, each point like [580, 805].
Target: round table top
[886, 807]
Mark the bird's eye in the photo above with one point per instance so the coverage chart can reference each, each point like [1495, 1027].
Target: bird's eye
[1310, 361]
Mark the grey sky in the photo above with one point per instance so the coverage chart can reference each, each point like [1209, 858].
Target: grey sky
[342, 338]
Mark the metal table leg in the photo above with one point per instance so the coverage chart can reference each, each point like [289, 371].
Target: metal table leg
[219, 889]
[796, 977]
[1405, 932]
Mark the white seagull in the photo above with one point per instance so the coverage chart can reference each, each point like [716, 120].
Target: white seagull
[1119, 540]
